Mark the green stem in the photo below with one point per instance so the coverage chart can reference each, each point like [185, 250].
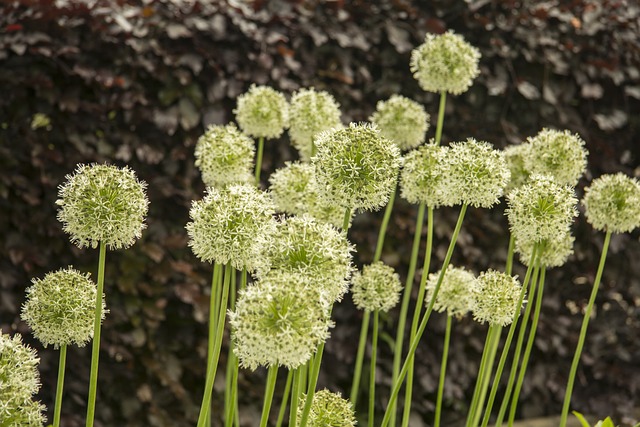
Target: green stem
[583, 332]
[311, 387]
[285, 398]
[443, 101]
[259, 159]
[60, 385]
[230, 389]
[272, 376]
[443, 372]
[298, 384]
[347, 220]
[372, 369]
[362, 343]
[95, 345]
[509, 265]
[385, 223]
[484, 371]
[214, 303]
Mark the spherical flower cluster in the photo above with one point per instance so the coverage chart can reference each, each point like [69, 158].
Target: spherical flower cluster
[328, 410]
[401, 120]
[311, 112]
[612, 203]
[515, 155]
[376, 288]
[103, 203]
[19, 381]
[306, 247]
[60, 308]
[356, 168]
[262, 112]
[551, 253]
[541, 210]
[231, 225]
[280, 320]
[496, 298]
[455, 295]
[478, 174]
[445, 63]
[558, 154]
[294, 191]
[224, 156]
[424, 175]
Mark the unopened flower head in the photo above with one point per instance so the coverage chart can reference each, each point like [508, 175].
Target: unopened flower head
[224, 156]
[559, 154]
[60, 308]
[231, 225]
[478, 174]
[376, 288]
[280, 320]
[612, 203]
[103, 203]
[306, 247]
[551, 252]
[515, 155]
[356, 168]
[311, 112]
[328, 410]
[541, 210]
[424, 175]
[294, 191]
[456, 292]
[445, 63]
[262, 112]
[496, 298]
[401, 120]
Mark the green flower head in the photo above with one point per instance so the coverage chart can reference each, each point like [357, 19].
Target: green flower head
[541, 210]
[376, 288]
[401, 120]
[311, 112]
[496, 298]
[612, 203]
[224, 156]
[280, 320]
[515, 155]
[552, 252]
[103, 203]
[445, 63]
[478, 174]
[262, 112]
[60, 308]
[560, 155]
[231, 225]
[456, 292]
[424, 175]
[356, 168]
[328, 410]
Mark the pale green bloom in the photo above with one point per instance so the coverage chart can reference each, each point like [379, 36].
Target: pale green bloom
[311, 112]
[552, 252]
[612, 203]
[515, 155]
[103, 203]
[60, 308]
[445, 62]
[401, 120]
[424, 176]
[328, 410]
[496, 298]
[262, 112]
[456, 292]
[224, 156]
[376, 288]
[356, 168]
[559, 154]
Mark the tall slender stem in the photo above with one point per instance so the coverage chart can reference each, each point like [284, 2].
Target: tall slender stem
[347, 220]
[95, 345]
[231, 377]
[259, 159]
[272, 376]
[60, 385]
[385, 223]
[285, 398]
[362, 343]
[372, 369]
[311, 387]
[443, 102]
[298, 384]
[443, 372]
[484, 373]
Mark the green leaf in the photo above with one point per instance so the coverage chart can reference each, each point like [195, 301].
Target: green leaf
[581, 418]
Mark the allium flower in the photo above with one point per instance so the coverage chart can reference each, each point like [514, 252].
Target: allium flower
[496, 298]
[560, 155]
[446, 63]
[552, 252]
[262, 112]
[103, 203]
[231, 226]
[424, 175]
[19, 381]
[311, 112]
[280, 320]
[356, 168]
[478, 174]
[60, 308]
[541, 210]
[456, 292]
[401, 120]
[224, 156]
[612, 203]
[515, 155]
[294, 191]
[376, 288]
[328, 410]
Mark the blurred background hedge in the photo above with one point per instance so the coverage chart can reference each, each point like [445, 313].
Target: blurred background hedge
[136, 82]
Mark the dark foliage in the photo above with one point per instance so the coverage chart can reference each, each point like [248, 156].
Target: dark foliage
[136, 82]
